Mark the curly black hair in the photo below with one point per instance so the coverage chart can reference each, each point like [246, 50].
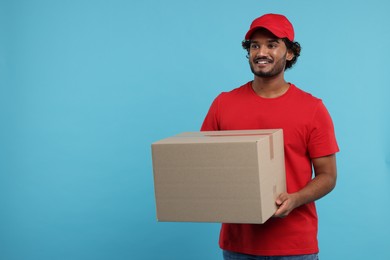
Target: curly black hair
[295, 47]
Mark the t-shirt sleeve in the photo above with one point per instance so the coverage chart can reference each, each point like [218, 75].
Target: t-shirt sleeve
[322, 141]
[210, 122]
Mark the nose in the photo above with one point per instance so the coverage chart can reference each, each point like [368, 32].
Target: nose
[261, 51]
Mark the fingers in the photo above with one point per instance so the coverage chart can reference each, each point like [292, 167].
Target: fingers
[285, 205]
[281, 198]
[282, 211]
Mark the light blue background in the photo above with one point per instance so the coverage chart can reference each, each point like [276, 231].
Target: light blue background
[87, 86]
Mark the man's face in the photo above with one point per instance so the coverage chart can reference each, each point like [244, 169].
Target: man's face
[267, 54]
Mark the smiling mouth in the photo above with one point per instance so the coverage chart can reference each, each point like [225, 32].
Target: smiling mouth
[262, 61]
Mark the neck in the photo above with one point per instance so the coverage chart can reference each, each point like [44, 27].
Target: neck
[270, 87]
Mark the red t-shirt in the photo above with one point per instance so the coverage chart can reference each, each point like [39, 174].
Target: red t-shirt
[308, 133]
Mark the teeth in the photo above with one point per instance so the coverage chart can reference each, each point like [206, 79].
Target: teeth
[262, 62]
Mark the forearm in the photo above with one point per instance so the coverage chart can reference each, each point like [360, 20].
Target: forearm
[323, 183]
[317, 188]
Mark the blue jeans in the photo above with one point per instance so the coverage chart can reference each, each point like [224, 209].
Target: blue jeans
[228, 255]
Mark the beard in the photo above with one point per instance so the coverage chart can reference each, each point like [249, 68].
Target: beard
[278, 68]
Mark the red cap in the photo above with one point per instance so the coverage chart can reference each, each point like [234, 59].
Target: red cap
[277, 24]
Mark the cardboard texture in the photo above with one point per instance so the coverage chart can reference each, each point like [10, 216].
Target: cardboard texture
[219, 176]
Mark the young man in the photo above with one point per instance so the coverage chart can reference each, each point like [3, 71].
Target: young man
[269, 102]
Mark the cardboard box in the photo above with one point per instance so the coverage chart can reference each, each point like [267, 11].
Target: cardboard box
[219, 176]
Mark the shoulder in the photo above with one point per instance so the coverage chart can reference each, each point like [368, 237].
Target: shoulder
[236, 92]
[304, 94]
[304, 98]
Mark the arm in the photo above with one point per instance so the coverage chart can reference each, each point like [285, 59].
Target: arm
[210, 122]
[324, 181]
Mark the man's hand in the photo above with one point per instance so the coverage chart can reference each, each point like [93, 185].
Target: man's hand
[286, 203]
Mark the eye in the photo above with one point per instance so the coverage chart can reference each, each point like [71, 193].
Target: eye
[254, 46]
[272, 45]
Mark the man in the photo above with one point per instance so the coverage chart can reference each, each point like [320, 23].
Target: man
[269, 102]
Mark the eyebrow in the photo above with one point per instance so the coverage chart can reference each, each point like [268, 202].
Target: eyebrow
[276, 40]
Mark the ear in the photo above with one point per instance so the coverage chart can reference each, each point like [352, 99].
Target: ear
[290, 55]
